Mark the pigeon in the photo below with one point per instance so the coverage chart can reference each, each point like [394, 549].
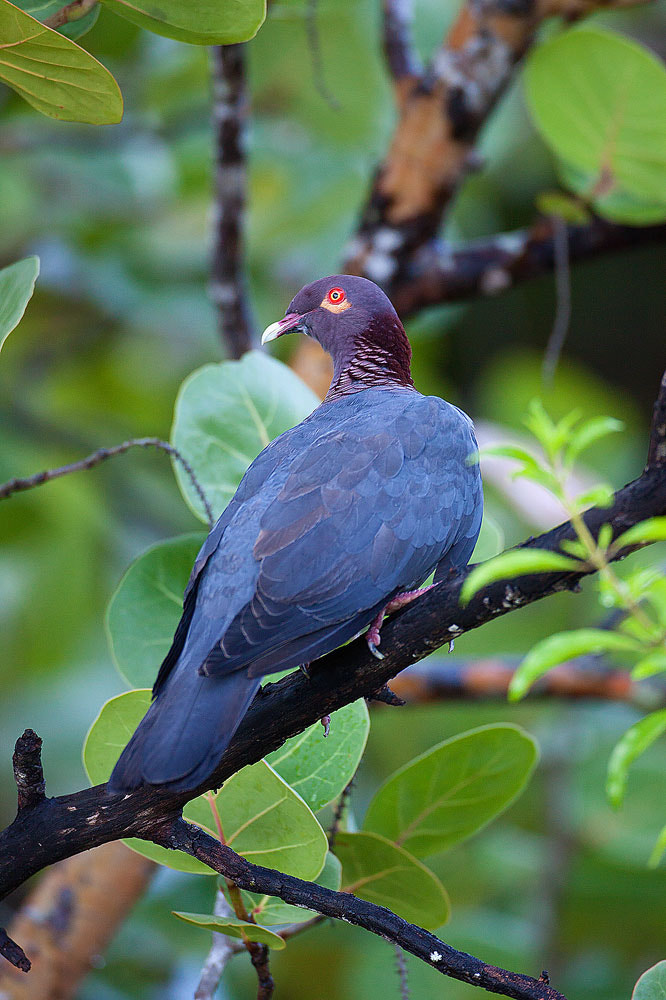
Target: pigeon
[336, 521]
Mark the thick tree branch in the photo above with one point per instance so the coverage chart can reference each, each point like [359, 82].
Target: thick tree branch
[432, 148]
[401, 59]
[61, 827]
[227, 283]
[90, 461]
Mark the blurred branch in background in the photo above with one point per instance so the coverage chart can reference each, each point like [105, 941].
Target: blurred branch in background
[228, 281]
[400, 53]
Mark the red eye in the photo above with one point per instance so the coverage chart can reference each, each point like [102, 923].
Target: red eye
[336, 296]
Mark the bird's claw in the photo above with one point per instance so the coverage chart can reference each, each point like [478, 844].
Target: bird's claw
[375, 652]
[452, 643]
[326, 723]
[305, 669]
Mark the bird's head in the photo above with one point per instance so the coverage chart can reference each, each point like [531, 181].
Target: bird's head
[354, 321]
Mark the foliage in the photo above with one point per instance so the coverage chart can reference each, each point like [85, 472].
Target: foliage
[602, 120]
[17, 283]
[652, 984]
[640, 600]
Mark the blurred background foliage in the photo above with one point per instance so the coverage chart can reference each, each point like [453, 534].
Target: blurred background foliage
[120, 217]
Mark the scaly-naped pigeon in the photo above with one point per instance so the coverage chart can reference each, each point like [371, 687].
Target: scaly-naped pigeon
[333, 521]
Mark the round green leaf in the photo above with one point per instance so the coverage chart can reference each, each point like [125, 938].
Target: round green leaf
[380, 872]
[454, 789]
[71, 85]
[261, 817]
[599, 101]
[319, 768]
[652, 984]
[233, 927]
[144, 611]
[17, 283]
[226, 414]
[565, 646]
[206, 22]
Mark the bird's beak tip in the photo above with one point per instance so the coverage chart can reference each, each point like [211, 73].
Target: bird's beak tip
[292, 321]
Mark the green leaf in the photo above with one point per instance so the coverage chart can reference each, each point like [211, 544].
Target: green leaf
[532, 468]
[651, 530]
[71, 84]
[591, 432]
[652, 984]
[658, 849]
[515, 563]
[601, 495]
[44, 9]
[565, 646]
[602, 116]
[262, 818]
[635, 742]
[317, 768]
[648, 666]
[17, 283]
[144, 611]
[206, 22]
[271, 910]
[454, 789]
[226, 414]
[564, 206]
[380, 872]
[233, 927]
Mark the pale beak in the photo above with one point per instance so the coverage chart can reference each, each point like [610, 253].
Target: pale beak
[290, 323]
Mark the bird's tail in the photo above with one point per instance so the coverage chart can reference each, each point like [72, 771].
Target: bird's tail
[184, 733]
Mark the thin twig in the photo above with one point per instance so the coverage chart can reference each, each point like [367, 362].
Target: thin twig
[13, 952]
[401, 966]
[562, 300]
[73, 11]
[656, 457]
[338, 814]
[227, 280]
[314, 46]
[17, 485]
[221, 950]
[28, 773]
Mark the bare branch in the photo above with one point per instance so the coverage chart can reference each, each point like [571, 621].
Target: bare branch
[227, 283]
[432, 148]
[221, 950]
[73, 11]
[13, 952]
[28, 773]
[101, 455]
[562, 319]
[439, 274]
[401, 57]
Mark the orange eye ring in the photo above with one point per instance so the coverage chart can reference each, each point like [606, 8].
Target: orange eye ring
[336, 296]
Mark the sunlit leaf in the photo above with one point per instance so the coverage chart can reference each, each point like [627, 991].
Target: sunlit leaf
[206, 22]
[591, 432]
[598, 496]
[515, 563]
[233, 927]
[652, 530]
[453, 790]
[658, 849]
[565, 646]
[146, 607]
[602, 116]
[319, 768]
[635, 742]
[71, 84]
[652, 984]
[17, 283]
[380, 872]
[226, 414]
[648, 666]
[261, 817]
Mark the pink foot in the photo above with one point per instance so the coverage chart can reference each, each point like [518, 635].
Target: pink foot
[373, 636]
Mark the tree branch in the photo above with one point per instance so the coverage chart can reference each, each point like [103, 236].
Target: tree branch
[73, 11]
[101, 455]
[439, 274]
[401, 59]
[227, 283]
[432, 148]
[66, 825]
